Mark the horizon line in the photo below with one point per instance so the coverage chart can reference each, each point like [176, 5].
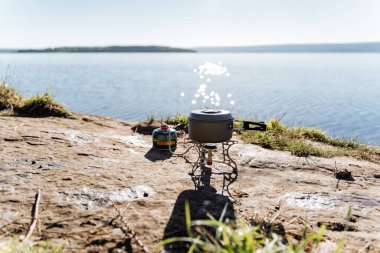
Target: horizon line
[192, 47]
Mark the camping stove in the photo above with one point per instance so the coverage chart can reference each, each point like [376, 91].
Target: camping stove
[206, 165]
[206, 128]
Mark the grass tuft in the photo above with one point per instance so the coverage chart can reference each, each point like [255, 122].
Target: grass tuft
[275, 125]
[304, 149]
[312, 134]
[179, 118]
[12, 104]
[9, 97]
[41, 106]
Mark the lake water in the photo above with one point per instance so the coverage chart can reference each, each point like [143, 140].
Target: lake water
[338, 93]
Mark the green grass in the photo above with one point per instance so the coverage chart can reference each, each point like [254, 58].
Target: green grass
[41, 106]
[179, 118]
[218, 237]
[304, 142]
[12, 104]
[9, 97]
[15, 246]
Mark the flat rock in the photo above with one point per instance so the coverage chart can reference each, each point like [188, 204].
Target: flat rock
[100, 180]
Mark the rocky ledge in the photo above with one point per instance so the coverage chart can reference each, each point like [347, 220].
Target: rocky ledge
[104, 189]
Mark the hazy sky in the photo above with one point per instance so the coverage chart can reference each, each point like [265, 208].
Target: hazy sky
[186, 23]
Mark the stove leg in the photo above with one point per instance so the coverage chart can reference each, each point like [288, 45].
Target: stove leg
[201, 157]
[226, 156]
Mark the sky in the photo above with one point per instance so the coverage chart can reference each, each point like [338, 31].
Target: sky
[186, 23]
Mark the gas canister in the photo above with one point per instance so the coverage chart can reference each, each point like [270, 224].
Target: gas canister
[165, 138]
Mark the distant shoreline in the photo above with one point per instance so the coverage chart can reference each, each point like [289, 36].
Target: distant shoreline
[365, 47]
[369, 47]
[110, 49]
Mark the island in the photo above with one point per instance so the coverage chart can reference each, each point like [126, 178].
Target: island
[365, 47]
[110, 49]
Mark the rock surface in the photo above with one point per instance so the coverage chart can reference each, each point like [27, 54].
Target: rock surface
[104, 189]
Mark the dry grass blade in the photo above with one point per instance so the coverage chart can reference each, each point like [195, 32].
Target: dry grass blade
[34, 215]
[129, 229]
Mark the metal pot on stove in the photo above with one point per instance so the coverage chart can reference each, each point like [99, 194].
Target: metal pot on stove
[214, 126]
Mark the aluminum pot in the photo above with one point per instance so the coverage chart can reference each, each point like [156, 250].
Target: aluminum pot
[214, 126]
[210, 126]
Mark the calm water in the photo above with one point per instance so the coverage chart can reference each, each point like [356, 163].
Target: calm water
[339, 93]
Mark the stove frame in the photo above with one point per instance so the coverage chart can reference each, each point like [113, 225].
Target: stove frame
[202, 179]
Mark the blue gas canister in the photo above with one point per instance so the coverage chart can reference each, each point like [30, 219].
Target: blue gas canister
[164, 138]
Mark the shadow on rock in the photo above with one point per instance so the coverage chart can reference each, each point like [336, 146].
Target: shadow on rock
[270, 228]
[344, 175]
[202, 204]
[157, 155]
[146, 128]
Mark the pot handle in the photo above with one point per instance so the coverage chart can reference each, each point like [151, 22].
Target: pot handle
[258, 126]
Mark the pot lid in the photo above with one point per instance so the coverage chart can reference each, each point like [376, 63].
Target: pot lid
[210, 115]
